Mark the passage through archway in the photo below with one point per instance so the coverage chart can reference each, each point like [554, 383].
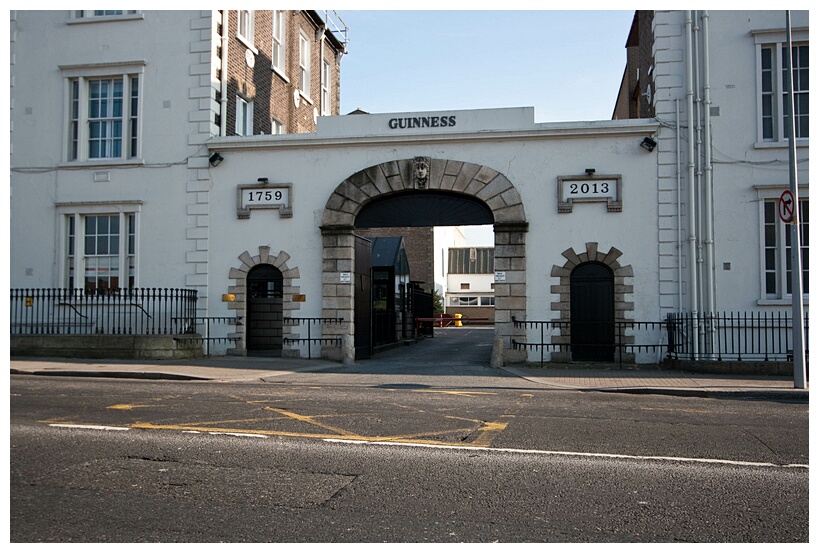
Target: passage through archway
[421, 191]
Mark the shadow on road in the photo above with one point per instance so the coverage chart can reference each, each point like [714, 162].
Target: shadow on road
[452, 351]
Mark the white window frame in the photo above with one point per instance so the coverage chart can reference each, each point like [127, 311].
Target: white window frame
[304, 66]
[79, 212]
[94, 16]
[768, 198]
[77, 123]
[278, 54]
[776, 40]
[326, 87]
[244, 116]
[277, 127]
[245, 20]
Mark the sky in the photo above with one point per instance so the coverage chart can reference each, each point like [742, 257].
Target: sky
[566, 64]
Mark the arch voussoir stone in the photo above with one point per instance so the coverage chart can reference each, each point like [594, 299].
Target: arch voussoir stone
[623, 289]
[395, 176]
[239, 274]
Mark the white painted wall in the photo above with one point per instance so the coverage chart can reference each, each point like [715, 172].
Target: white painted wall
[190, 234]
[531, 157]
[445, 238]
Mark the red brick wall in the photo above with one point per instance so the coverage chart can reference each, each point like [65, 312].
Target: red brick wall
[273, 94]
[420, 246]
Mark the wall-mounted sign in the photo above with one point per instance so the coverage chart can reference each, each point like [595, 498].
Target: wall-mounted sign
[299, 298]
[500, 276]
[590, 188]
[264, 196]
[422, 122]
[345, 278]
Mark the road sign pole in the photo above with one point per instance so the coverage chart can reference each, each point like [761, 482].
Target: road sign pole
[799, 376]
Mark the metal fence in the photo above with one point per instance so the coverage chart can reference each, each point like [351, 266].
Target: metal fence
[729, 336]
[624, 337]
[201, 329]
[111, 311]
[310, 340]
[749, 336]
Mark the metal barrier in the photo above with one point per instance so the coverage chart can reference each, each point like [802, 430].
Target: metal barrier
[445, 320]
[626, 337]
[729, 336]
[756, 336]
[296, 321]
[127, 311]
[207, 338]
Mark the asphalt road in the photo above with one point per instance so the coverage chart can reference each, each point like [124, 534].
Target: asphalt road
[102, 460]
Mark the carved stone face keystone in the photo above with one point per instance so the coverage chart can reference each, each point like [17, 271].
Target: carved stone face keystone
[421, 171]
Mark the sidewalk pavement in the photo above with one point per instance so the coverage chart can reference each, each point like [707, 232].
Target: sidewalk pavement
[597, 377]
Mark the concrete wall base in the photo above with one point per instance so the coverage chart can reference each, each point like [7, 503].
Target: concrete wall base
[749, 368]
[102, 346]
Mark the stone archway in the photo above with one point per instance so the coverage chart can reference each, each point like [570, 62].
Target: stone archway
[421, 174]
[623, 290]
[239, 290]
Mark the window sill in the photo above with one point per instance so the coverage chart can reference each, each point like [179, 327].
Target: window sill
[280, 74]
[95, 163]
[105, 18]
[800, 143]
[305, 98]
[249, 44]
[779, 301]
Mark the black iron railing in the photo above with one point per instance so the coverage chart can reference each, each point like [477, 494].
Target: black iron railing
[310, 340]
[110, 311]
[200, 329]
[750, 336]
[619, 338]
[729, 336]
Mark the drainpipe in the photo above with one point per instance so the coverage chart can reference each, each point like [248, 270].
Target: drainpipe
[679, 208]
[710, 268]
[692, 218]
[698, 162]
[223, 76]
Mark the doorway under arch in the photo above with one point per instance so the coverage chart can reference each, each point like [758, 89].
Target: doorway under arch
[592, 312]
[265, 303]
[411, 187]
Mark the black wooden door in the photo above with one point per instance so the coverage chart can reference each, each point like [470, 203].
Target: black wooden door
[264, 311]
[362, 301]
[592, 312]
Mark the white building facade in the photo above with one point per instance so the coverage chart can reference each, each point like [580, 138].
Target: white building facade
[684, 227]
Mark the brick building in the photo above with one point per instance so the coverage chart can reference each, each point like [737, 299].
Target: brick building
[283, 70]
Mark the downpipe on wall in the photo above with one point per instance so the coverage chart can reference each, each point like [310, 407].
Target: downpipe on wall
[692, 218]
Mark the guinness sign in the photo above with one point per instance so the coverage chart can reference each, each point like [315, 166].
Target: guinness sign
[422, 122]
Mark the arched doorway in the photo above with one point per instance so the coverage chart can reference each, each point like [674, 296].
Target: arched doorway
[413, 181]
[592, 312]
[264, 310]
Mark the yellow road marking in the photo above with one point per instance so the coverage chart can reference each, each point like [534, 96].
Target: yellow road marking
[487, 433]
[308, 420]
[455, 393]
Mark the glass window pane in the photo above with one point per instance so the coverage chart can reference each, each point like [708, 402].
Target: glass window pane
[770, 235]
[770, 283]
[770, 259]
[766, 58]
